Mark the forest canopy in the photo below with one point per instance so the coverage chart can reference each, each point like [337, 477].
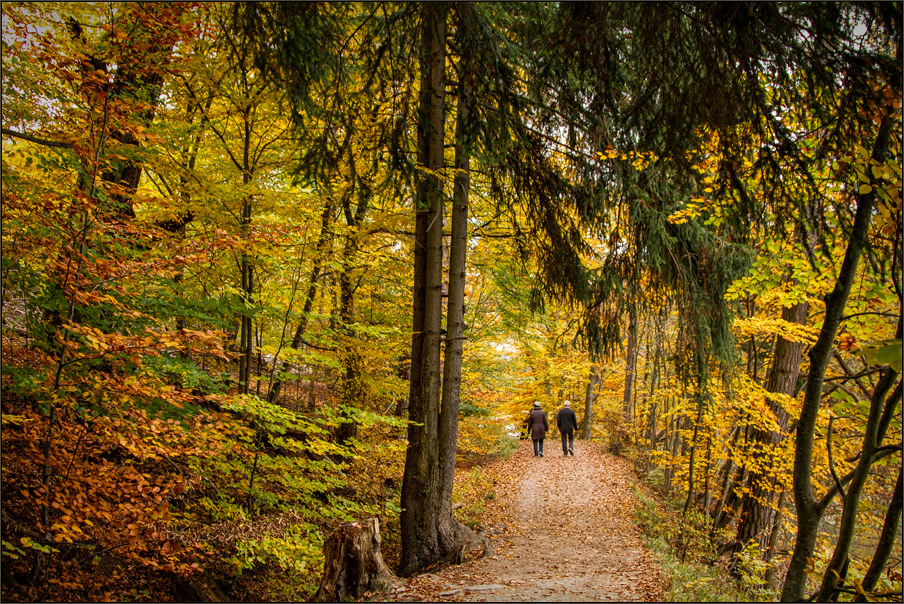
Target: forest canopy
[271, 267]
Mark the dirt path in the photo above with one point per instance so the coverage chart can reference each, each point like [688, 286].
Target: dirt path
[562, 532]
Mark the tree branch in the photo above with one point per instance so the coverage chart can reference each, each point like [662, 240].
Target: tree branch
[832, 460]
[35, 139]
[878, 454]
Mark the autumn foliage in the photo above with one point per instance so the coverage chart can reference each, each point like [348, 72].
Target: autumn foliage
[211, 213]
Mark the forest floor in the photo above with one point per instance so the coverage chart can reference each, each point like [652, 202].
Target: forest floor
[561, 531]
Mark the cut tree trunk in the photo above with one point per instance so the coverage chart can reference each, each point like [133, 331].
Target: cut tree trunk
[353, 565]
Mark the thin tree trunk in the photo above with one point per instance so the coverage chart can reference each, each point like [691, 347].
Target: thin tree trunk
[734, 475]
[706, 468]
[322, 241]
[351, 384]
[259, 357]
[773, 539]
[246, 345]
[190, 155]
[752, 358]
[807, 508]
[587, 421]
[405, 374]
[727, 485]
[690, 473]
[250, 503]
[886, 540]
[630, 368]
[652, 434]
[448, 428]
[833, 576]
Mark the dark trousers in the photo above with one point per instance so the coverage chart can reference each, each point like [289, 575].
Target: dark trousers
[538, 446]
[567, 441]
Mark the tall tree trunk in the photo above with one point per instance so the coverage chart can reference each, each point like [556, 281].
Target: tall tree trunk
[246, 346]
[180, 222]
[587, 421]
[630, 368]
[770, 576]
[729, 500]
[756, 503]
[246, 268]
[455, 328]
[428, 530]
[808, 510]
[707, 498]
[246, 343]
[690, 463]
[727, 484]
[351, 383]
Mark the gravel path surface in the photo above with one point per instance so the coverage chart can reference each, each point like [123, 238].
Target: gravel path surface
[562, 532]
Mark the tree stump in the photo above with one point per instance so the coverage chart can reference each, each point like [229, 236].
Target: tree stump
[353, 565]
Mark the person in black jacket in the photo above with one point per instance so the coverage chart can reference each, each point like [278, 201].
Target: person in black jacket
[538, 425]
[567, 422]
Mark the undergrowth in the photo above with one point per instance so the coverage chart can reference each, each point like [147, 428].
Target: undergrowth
[687, 555]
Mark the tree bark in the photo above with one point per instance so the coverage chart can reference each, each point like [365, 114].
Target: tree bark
[587, 421]
[351, 383]
[246, 343]
[455, 306]
[756, 504]
[727, 472]
[774, 533]
[690, 463]
[630, 367]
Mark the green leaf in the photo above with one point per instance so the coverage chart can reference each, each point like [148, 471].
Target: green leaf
[884, 352]
[890, 355]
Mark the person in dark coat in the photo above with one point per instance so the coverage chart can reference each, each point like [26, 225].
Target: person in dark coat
[567, 423]
[539, 426]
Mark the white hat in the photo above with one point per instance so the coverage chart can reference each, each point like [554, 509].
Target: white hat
[536, 403]
[567, 403]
